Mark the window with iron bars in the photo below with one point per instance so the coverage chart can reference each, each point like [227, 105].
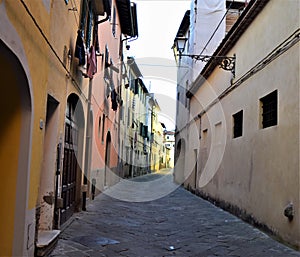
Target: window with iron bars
[269, 105]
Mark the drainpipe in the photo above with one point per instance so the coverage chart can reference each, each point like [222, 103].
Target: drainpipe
[88, 136]
[87, 146]
[103, 20]
[58, 168]
[151, 138]
[120, 149]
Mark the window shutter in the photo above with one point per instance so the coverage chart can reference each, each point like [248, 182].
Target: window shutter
[136, 88]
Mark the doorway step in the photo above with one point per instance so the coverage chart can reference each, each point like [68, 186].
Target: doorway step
[46, 242]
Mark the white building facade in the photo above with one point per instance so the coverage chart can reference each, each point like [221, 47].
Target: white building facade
[241, 144]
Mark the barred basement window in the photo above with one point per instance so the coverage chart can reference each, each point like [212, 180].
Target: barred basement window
[238, 124]
[269, 110]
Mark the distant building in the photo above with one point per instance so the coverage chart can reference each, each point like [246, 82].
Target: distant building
[140, 130]
[107, 95]
[135, 136]
[169, 144]
[156, 135]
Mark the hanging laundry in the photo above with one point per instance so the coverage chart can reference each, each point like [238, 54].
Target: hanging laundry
[80, 49]
[92, 63]
[114, 102]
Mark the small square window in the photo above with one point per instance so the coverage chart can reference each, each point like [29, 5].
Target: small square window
[269, 110]
[238, 124]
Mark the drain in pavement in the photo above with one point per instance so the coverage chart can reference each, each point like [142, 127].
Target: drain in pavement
[92, 241]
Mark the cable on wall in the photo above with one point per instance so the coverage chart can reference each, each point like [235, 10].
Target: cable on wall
[215, 31]
[52, 48]
[274, 54]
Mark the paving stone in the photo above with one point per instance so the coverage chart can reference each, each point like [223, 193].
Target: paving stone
[179, 224]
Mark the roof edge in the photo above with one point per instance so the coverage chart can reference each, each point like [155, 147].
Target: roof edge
[234, 34]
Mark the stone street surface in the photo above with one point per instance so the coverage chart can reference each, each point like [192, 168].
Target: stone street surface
[177, 224]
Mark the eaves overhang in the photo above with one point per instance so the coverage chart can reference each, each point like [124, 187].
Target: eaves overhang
[100, 7]
[128, 17]
[135, 32]
[237, 30]
[133, 66]
[185, 24]
[235, 5]
[141, 82]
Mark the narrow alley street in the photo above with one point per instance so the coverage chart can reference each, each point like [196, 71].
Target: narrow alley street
[103, 99]
[179, 224]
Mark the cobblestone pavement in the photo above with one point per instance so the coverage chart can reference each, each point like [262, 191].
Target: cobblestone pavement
[179, 224]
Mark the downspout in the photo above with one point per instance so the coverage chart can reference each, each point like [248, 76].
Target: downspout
[103, 20]
[120, 149]
[152, 138]
[58, 169]
[88, 136]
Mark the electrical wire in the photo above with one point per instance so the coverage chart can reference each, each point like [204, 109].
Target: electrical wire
[75, 10]
[274, 54]
[52, 48]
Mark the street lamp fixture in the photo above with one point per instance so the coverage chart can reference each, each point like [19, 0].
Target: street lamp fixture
[224, 62]
[180, 44]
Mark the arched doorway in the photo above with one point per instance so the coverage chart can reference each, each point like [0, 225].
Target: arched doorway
[72, 163]
[179, 162]
[107, 156]
[15, 140]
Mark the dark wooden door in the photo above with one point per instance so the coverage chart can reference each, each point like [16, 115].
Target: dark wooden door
[70, 165]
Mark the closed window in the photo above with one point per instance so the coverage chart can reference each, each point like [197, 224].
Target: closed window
[238, 124]
[99, 126]
[86, 22]
[269, 110]
[113, 28]
[103, 126]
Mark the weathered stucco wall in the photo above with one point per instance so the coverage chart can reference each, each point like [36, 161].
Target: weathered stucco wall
[258, 173]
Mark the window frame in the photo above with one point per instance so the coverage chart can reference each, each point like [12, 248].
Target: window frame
[87, 22]
[237, 126]
[103, 127]
[269, 110]
[99, 126]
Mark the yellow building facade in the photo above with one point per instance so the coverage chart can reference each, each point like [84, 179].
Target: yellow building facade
[24, 58]
[42, 117]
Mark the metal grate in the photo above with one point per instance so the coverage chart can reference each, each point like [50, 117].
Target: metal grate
[269, 110]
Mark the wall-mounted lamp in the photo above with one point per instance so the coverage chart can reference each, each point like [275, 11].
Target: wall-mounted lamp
[224, 62]
[180, 44]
